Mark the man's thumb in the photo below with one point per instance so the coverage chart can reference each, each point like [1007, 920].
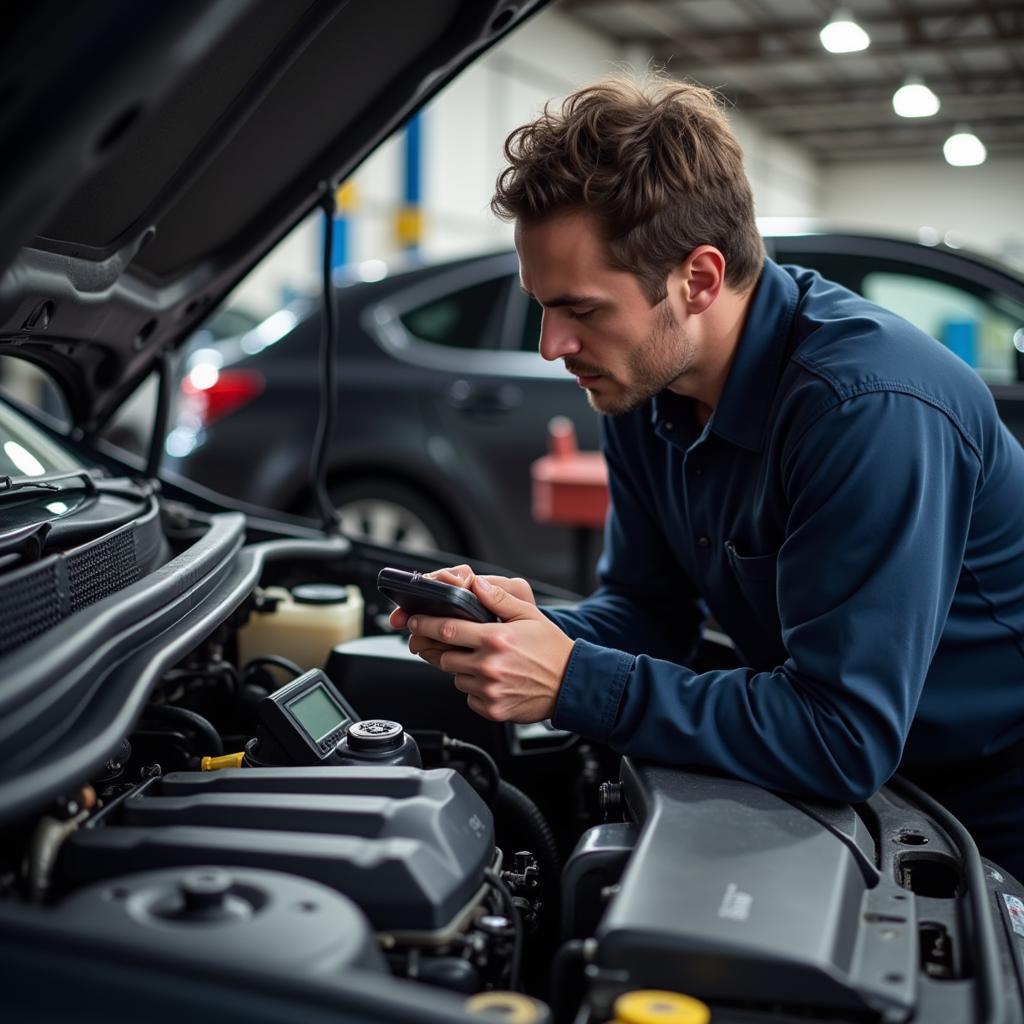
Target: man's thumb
[498, 600]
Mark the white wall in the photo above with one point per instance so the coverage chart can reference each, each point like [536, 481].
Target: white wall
[983, 207]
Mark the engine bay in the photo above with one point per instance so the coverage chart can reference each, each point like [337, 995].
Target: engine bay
[223, 775]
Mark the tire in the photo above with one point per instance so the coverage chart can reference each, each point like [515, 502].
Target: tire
[393, 514]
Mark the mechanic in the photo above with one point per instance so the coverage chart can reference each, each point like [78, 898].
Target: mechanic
[833, 484]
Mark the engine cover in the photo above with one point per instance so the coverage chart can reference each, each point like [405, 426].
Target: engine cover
[408, 846]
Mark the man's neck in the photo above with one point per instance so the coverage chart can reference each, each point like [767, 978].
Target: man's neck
[720, 329]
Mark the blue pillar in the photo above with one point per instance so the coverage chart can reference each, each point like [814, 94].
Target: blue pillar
[409, 221]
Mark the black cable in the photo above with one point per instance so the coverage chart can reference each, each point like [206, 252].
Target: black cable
[569, 956]
[273, 659]
[494, 880]
[154, 456]
[328, 389]
[987, 957]
[484, 761]
[515, 802]
[192, 720]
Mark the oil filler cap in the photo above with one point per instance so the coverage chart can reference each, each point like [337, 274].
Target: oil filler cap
[375, 735]
[652, 1006]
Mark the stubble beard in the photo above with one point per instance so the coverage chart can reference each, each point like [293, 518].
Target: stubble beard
[666, 354]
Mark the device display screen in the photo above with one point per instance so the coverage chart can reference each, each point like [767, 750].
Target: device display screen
[317, 713]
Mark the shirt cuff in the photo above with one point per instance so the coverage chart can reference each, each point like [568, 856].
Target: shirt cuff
[588, 700]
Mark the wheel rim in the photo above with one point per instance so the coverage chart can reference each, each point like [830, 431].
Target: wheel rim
[387, 523]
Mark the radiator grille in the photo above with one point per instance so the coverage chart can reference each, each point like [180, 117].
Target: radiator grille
[105, 566]
[35, 599]
[29, 607]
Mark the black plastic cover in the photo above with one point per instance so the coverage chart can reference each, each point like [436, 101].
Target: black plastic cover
[253, 917]
[736, 895]
[408, 846]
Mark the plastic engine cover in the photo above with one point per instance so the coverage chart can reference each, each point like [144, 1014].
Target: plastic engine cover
[256, 918]
[408, 846]
[736, 895]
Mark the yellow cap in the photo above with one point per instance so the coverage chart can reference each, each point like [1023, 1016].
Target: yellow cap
[510, 1007]
[650, 1006]
[214, 764]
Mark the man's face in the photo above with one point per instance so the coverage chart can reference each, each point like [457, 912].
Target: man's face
[597, 319]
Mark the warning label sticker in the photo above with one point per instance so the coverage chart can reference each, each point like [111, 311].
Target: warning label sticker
[1015, 908]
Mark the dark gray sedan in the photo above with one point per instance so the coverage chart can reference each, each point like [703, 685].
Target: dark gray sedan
[444, 400]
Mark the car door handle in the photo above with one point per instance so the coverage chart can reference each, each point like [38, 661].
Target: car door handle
[485, 398]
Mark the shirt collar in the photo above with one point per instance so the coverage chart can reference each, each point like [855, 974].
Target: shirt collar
[741, 415]
[742, 411]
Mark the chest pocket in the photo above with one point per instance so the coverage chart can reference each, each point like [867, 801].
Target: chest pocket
[756, 579]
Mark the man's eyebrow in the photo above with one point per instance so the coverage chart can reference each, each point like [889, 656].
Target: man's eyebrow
[566, 300]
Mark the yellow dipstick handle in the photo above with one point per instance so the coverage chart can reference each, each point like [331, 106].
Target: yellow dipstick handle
[214, 764]
[651, 1006]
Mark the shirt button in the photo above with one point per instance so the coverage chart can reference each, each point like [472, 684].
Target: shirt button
[704, 542]
[669, 425]
[698, 470]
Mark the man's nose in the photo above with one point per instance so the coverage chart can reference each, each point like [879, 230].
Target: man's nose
[557, 337]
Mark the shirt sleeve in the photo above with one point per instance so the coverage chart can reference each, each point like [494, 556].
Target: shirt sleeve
[644, 603]
[880, 491]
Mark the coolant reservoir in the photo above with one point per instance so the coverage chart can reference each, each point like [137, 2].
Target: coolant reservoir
[303, 624]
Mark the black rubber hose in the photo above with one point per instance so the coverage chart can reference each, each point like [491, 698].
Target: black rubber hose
[519, 806]
[484, 761]
[566, 990]
[191, 720]
[273, 659]
[986, 953]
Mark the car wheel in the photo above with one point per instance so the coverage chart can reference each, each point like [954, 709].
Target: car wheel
[395, 515]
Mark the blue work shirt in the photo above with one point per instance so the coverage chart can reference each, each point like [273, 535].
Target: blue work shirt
[851, 514]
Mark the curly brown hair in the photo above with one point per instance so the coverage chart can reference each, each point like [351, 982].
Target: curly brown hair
[655, 162]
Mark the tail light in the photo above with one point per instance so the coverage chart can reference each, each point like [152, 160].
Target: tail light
[211, 397]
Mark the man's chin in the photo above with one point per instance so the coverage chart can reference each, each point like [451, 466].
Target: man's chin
[613, 404]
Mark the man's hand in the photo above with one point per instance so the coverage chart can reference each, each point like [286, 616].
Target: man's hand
[511, 670]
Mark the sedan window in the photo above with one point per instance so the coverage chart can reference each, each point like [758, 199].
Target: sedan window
[468, 318]
[982, 331]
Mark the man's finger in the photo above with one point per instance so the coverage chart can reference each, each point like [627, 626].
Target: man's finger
[399, 618]
[456, 575]
[453, 632]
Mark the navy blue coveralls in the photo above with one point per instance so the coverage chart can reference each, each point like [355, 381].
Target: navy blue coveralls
[853, 516]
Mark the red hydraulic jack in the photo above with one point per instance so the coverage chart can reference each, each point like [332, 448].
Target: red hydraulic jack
[570, 488]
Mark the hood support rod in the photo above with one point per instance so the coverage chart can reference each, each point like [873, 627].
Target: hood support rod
[328, 384]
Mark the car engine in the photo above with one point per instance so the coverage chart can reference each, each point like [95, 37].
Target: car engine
[207, 794]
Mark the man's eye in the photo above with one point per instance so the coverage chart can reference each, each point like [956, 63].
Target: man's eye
[580, 314]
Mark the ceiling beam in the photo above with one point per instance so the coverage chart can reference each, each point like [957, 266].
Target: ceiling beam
[770, 99]
[813, 55]
[1007, 124]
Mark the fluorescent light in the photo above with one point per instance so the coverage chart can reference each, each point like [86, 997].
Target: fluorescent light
[843, 35]
[203, 376]
[964, 149]
[915, 99]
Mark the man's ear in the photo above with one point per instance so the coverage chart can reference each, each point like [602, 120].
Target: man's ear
[701, 277]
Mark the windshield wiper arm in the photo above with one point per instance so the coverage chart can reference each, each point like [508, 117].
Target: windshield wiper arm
[7, 484]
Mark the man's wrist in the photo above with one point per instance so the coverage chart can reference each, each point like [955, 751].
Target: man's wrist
[591, 691]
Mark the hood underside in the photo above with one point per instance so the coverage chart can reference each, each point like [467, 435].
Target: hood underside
[157, 150]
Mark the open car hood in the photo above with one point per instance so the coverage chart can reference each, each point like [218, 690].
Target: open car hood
[156, 151]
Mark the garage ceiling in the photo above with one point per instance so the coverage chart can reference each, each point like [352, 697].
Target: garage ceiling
[766, 57]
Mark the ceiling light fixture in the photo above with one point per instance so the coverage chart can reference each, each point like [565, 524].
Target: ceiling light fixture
[843, 35]
[964, 149]
[915, 99]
